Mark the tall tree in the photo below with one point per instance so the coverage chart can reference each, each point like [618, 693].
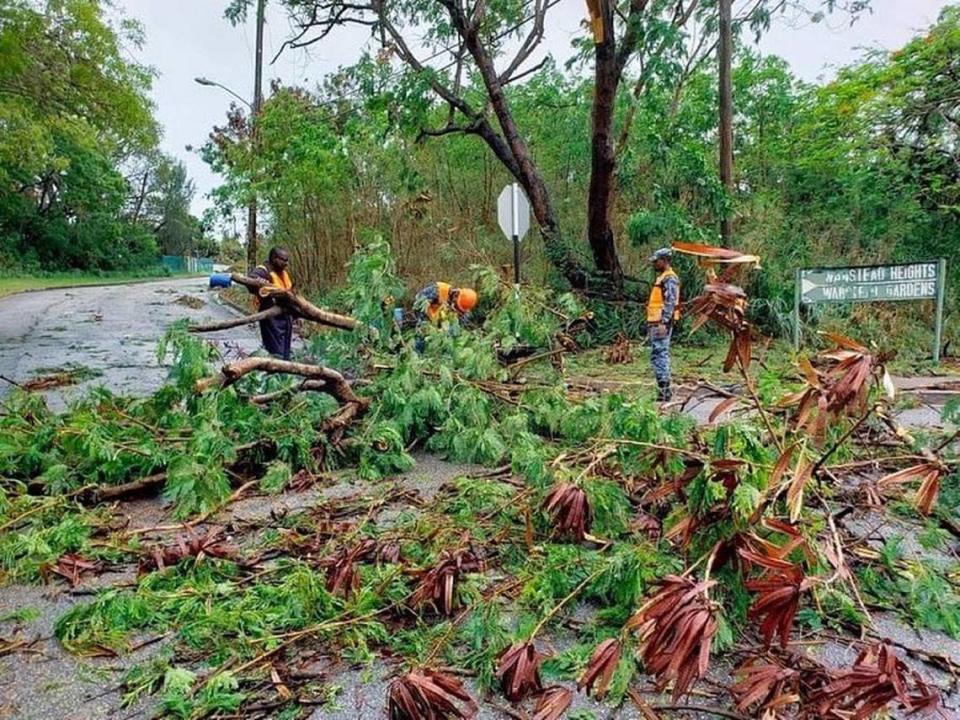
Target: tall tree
[73, 109]
[473, 81]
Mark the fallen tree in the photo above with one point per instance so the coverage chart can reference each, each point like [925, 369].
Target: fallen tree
[287, 302]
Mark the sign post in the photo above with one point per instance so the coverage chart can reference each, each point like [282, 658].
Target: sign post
[513, 215]
[873, 283]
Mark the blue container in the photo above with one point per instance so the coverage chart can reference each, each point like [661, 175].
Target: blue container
[220, 280]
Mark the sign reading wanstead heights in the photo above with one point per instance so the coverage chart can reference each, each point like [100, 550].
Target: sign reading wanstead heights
[873, 283]
[916, 281]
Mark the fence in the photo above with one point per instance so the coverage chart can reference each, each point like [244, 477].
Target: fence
[187, 264]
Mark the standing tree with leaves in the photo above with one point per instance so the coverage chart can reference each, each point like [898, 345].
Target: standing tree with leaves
[486, 48]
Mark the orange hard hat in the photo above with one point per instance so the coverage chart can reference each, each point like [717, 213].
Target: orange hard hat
[466, 299]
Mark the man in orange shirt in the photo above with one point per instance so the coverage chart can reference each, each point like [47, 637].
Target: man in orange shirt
[436, 300]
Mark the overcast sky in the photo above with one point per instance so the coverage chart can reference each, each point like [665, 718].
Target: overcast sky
[190, 38]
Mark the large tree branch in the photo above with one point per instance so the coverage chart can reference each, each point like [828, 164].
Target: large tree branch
[334, 383]
[530, 42]
[294, 304]
[237, 322]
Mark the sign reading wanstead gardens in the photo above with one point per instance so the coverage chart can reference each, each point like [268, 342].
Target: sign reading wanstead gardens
[873, 283]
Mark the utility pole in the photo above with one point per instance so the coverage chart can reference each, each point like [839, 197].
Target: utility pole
[254, 119]
[724, 53]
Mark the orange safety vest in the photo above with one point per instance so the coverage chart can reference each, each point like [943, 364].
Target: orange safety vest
[281, 281]
[443, 297]
[655, 303]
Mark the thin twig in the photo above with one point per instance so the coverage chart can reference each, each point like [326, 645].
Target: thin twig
[573, 593]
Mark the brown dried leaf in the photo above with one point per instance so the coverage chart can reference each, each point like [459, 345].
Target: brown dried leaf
[438, 585]
[429, 695]
[342, 575]
[552, 703]
[877, 678]
[766, 684]
[929, 475]
[71, 566]
[715, 254]
[597, 675]
[676, 628]
[518, 669]
[619, 353]
[189, 545]
[721, 408]
[570, 508]
[801, 475]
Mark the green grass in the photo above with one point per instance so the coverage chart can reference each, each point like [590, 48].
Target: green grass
[15, 284]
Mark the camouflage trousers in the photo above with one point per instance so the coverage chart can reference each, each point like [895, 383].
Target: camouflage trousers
[659, 336]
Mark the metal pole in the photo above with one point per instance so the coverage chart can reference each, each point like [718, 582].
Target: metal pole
[515, 226]
[724, 55]
[255, 112]
[941, 291]
[796, 310]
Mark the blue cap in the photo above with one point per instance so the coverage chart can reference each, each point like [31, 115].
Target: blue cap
[661, 254]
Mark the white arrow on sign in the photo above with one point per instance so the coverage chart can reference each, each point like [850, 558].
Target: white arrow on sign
[513, 212]
[807, 285]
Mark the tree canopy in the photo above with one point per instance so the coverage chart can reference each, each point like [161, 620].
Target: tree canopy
[862, 168]
[78, 145]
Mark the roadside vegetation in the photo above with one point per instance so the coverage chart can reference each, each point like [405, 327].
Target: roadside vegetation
[84, 186]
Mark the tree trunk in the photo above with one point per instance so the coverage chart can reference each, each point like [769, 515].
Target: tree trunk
[513, 152]
[724, 52]
[600, 195]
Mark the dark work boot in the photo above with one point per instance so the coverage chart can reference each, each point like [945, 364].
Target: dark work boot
[664, 393]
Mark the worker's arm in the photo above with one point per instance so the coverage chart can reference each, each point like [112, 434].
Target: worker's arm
[430, 295]
[671, 296]
[260, 274]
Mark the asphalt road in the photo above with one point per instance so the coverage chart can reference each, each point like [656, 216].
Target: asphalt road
[112, 330]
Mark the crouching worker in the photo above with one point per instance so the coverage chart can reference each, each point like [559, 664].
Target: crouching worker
[276, 332]
[663, 310]
[438, 302]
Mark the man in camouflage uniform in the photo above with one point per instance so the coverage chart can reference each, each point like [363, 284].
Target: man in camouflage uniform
[663, 310]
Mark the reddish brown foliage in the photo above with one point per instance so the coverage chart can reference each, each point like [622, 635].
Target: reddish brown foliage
[189, 545]
[518, 669]
[646, 524]
[876, 678]
[388, 552]
[839, 389]
[342, 576]
[676, 628]
[552, 703]
[570, 508]
[721, 301]
[725, 305]
[71, 566]
[619, 353]
[779, 590]
[929, 475]
[429, 695]
[599, 671]
[768, 685]
[438, 585]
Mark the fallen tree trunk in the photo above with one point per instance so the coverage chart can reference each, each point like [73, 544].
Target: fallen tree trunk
[297, 305]
[305, 386]
[334, 383]
[106, 493]
[237, 322]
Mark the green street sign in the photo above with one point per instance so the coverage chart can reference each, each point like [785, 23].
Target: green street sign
[878, 283]
[873, 283]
